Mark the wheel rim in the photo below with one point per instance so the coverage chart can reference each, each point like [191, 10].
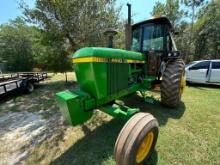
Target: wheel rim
[144, 147]
[30, 87]
[182, 83]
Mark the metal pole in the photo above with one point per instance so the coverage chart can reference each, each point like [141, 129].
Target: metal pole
[128, 29]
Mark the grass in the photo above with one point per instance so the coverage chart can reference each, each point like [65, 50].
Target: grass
[188, 134]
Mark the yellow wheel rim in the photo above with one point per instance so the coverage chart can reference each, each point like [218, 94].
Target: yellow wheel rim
[182, 83]
[144, 147]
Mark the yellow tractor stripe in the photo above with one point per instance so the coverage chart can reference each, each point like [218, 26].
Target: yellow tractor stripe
[101, 59]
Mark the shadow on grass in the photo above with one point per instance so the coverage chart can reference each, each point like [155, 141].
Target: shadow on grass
[160, 112]
[98, 145]
[202, 86]
[94, 148]
[57, 86]
[9, 95]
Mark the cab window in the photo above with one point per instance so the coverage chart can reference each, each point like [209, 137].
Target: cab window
[153, 37]
[136, 40]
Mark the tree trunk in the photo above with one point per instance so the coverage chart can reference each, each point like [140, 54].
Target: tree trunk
[189, 51]
[66, 77]
[72, 43]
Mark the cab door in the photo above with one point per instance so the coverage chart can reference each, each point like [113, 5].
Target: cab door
[215, 72]
[199, 72]
[153, 46]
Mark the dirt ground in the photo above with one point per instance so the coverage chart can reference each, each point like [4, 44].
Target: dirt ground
[27, 120]
[22, 130]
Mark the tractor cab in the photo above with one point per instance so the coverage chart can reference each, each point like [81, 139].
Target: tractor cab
[154, 37]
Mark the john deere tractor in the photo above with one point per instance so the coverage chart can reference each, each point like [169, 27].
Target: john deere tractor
[107, 74]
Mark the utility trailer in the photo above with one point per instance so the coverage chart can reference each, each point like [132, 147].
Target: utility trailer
[21, 80]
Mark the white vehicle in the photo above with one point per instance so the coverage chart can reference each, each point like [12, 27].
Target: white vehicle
[204, 71]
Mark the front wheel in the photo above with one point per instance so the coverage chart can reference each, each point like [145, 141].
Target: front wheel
[136, 140]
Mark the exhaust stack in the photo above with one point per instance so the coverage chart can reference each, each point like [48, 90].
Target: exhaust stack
[128, 29]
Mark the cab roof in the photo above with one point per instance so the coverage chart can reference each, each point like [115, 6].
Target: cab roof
[162, 20]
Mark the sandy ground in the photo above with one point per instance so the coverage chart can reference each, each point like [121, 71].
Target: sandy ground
[20, 131]
[26, 121]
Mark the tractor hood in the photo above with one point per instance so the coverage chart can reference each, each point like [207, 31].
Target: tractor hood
[107, 53]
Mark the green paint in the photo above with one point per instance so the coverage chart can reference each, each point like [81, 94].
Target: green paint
[72, 107]
[76, 106]
[92, 78]
[117, 111]
[101, 83]
[108, 53]
[117, 79]
[119, 94]
[146, 82]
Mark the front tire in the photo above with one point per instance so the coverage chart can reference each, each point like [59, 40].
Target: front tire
[136, 140]
[173, 83]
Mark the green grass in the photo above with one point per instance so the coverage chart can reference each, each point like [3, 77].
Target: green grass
[189, 134]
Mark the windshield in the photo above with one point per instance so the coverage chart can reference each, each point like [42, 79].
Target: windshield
[136, 40]
[193, 62]
[153, 37]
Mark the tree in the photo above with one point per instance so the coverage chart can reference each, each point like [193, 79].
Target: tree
[207, 28]
[54, 55]
[158, 9]
[192, 4]
[79, 22]
[68, 25]
[170, 9]
[16, 45]
[182, 39]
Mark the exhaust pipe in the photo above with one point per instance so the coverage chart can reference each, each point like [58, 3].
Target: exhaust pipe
[110, 33]
[128, 29]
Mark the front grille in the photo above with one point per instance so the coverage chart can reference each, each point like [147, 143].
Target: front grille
[117, 77]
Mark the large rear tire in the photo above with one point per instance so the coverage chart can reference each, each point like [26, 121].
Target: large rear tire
[136, 140]
[173, 83]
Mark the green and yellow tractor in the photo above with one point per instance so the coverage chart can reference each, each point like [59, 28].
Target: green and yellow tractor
[107, 74]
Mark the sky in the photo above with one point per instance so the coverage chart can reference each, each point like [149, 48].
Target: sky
[140, 9]
[9, 9]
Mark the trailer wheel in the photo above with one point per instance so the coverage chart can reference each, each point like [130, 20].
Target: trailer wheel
[30, 87]
[173, 83]
[136, 140]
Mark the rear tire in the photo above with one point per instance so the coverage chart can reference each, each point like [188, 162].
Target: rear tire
[136, 140]
[173, 83]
